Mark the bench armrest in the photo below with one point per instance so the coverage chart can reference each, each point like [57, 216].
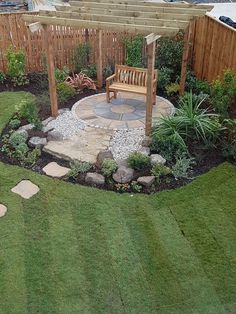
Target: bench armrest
[110, 77]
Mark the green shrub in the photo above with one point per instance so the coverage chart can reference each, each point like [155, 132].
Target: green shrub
[172, 89]
[229, 140]
[137, 188]
[169, 54]
[164, 78]
[2, 77]
[31, 157]
[160, 170]
[134, 51]
[14, 123]
[61, 74]
[81, 56]
[182, 167]
[21, 150]
[16, 139]
[108, 70]
[139, 161]
[27, 109]
[122, 187]
[16, 66]
[222, 93]
[64, 92]
[78, 167]
[90, 71]
[109, 166]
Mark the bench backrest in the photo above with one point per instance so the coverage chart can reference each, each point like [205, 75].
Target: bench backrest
[131, 75]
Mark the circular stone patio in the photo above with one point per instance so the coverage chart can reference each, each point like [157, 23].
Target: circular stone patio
[126, 112]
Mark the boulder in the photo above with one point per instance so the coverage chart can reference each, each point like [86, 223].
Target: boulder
[146, 180]
[94, 178]
[104, 154]
[145, 150]
[46, 121]
[27, 127]
[123, 174]
[157, 159]
[48, 128]
[146, 141]
[54, 136]
[37, 141]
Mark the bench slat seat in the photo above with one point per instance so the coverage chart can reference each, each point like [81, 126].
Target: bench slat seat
[129, 79]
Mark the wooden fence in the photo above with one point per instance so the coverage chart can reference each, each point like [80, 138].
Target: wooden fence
[14, 32]
[214, 48]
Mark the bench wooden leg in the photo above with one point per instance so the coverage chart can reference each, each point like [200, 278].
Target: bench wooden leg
[107, 94]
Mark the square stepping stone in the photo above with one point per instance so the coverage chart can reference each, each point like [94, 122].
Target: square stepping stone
[25, 189]
[3, 210]
[54, 170]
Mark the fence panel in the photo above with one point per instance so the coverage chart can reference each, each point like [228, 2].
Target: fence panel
[214, 48]
[14, 32]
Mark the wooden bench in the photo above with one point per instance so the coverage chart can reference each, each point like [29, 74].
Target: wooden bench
[129, 79]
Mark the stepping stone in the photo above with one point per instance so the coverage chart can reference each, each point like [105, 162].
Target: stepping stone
[54, 170]
[3, 210]
[25, 189]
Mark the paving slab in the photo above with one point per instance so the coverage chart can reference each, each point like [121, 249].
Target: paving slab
[54, 170]
[3, 210]
[25, 189]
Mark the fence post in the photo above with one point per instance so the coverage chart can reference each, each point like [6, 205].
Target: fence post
[51, 70]
[99, 58]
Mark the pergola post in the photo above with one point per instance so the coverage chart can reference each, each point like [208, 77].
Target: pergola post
[150, 76]
[99, 59]
[185, 58]
[51, 70]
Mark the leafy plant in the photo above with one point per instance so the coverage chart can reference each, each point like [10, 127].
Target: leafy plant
[182, 167]
[160, 170]
[122, 187]
[108, 70]
[31, 157]
[81, 81]
[229, 140]
[223, 92]
[172, 89]
[61, 74]
[2, 77]
[14, 123]
[133, 49]
[64, 92]
[137, 188]
[164, 78]
[109, 166]
[139, 161]
[16, 66]
[78, 167]
[17, 139]
[81, 56]
[90, 71]
[27, 109]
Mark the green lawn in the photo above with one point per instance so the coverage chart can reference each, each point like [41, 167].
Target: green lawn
[73, 249]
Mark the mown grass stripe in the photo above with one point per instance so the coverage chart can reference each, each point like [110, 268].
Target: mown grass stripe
[38, 260]
[197, 288]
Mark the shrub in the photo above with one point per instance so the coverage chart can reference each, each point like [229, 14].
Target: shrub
[27, 109]
[169, 54]
[108, 70]
[134, 49]
[159, 170]
[64, 92]
[109, 166]
[81, 56]
[137, 188]
[2, 77]
[182, 167]
[31, 157]
[164, 78]
[61, 74]
[17, 139]
[81, 81]
[223, 92]
[16, 65]
[14, 123]
[122, 187]
[21, 150]
[90, 71]
[229, 141]
[172, 89]
[139, 161]
[78, 167]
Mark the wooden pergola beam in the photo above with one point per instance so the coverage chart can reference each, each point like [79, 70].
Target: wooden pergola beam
[140, 7]
[111, 18]
[118, 27]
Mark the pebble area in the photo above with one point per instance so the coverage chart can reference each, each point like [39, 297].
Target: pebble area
[66, 124]
[124, 142]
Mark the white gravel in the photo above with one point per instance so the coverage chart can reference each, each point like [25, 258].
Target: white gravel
[66, 124]
[124, 142]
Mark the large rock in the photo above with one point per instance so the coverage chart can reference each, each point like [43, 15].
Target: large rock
[54, 136]
[54, 170]
[123, 174]
[146, 180]
[37, 141]
[146, 141]
[27, 127]
[102, 155]
[94, 178]
[157, 159]
[46, 121]
[145, 150]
